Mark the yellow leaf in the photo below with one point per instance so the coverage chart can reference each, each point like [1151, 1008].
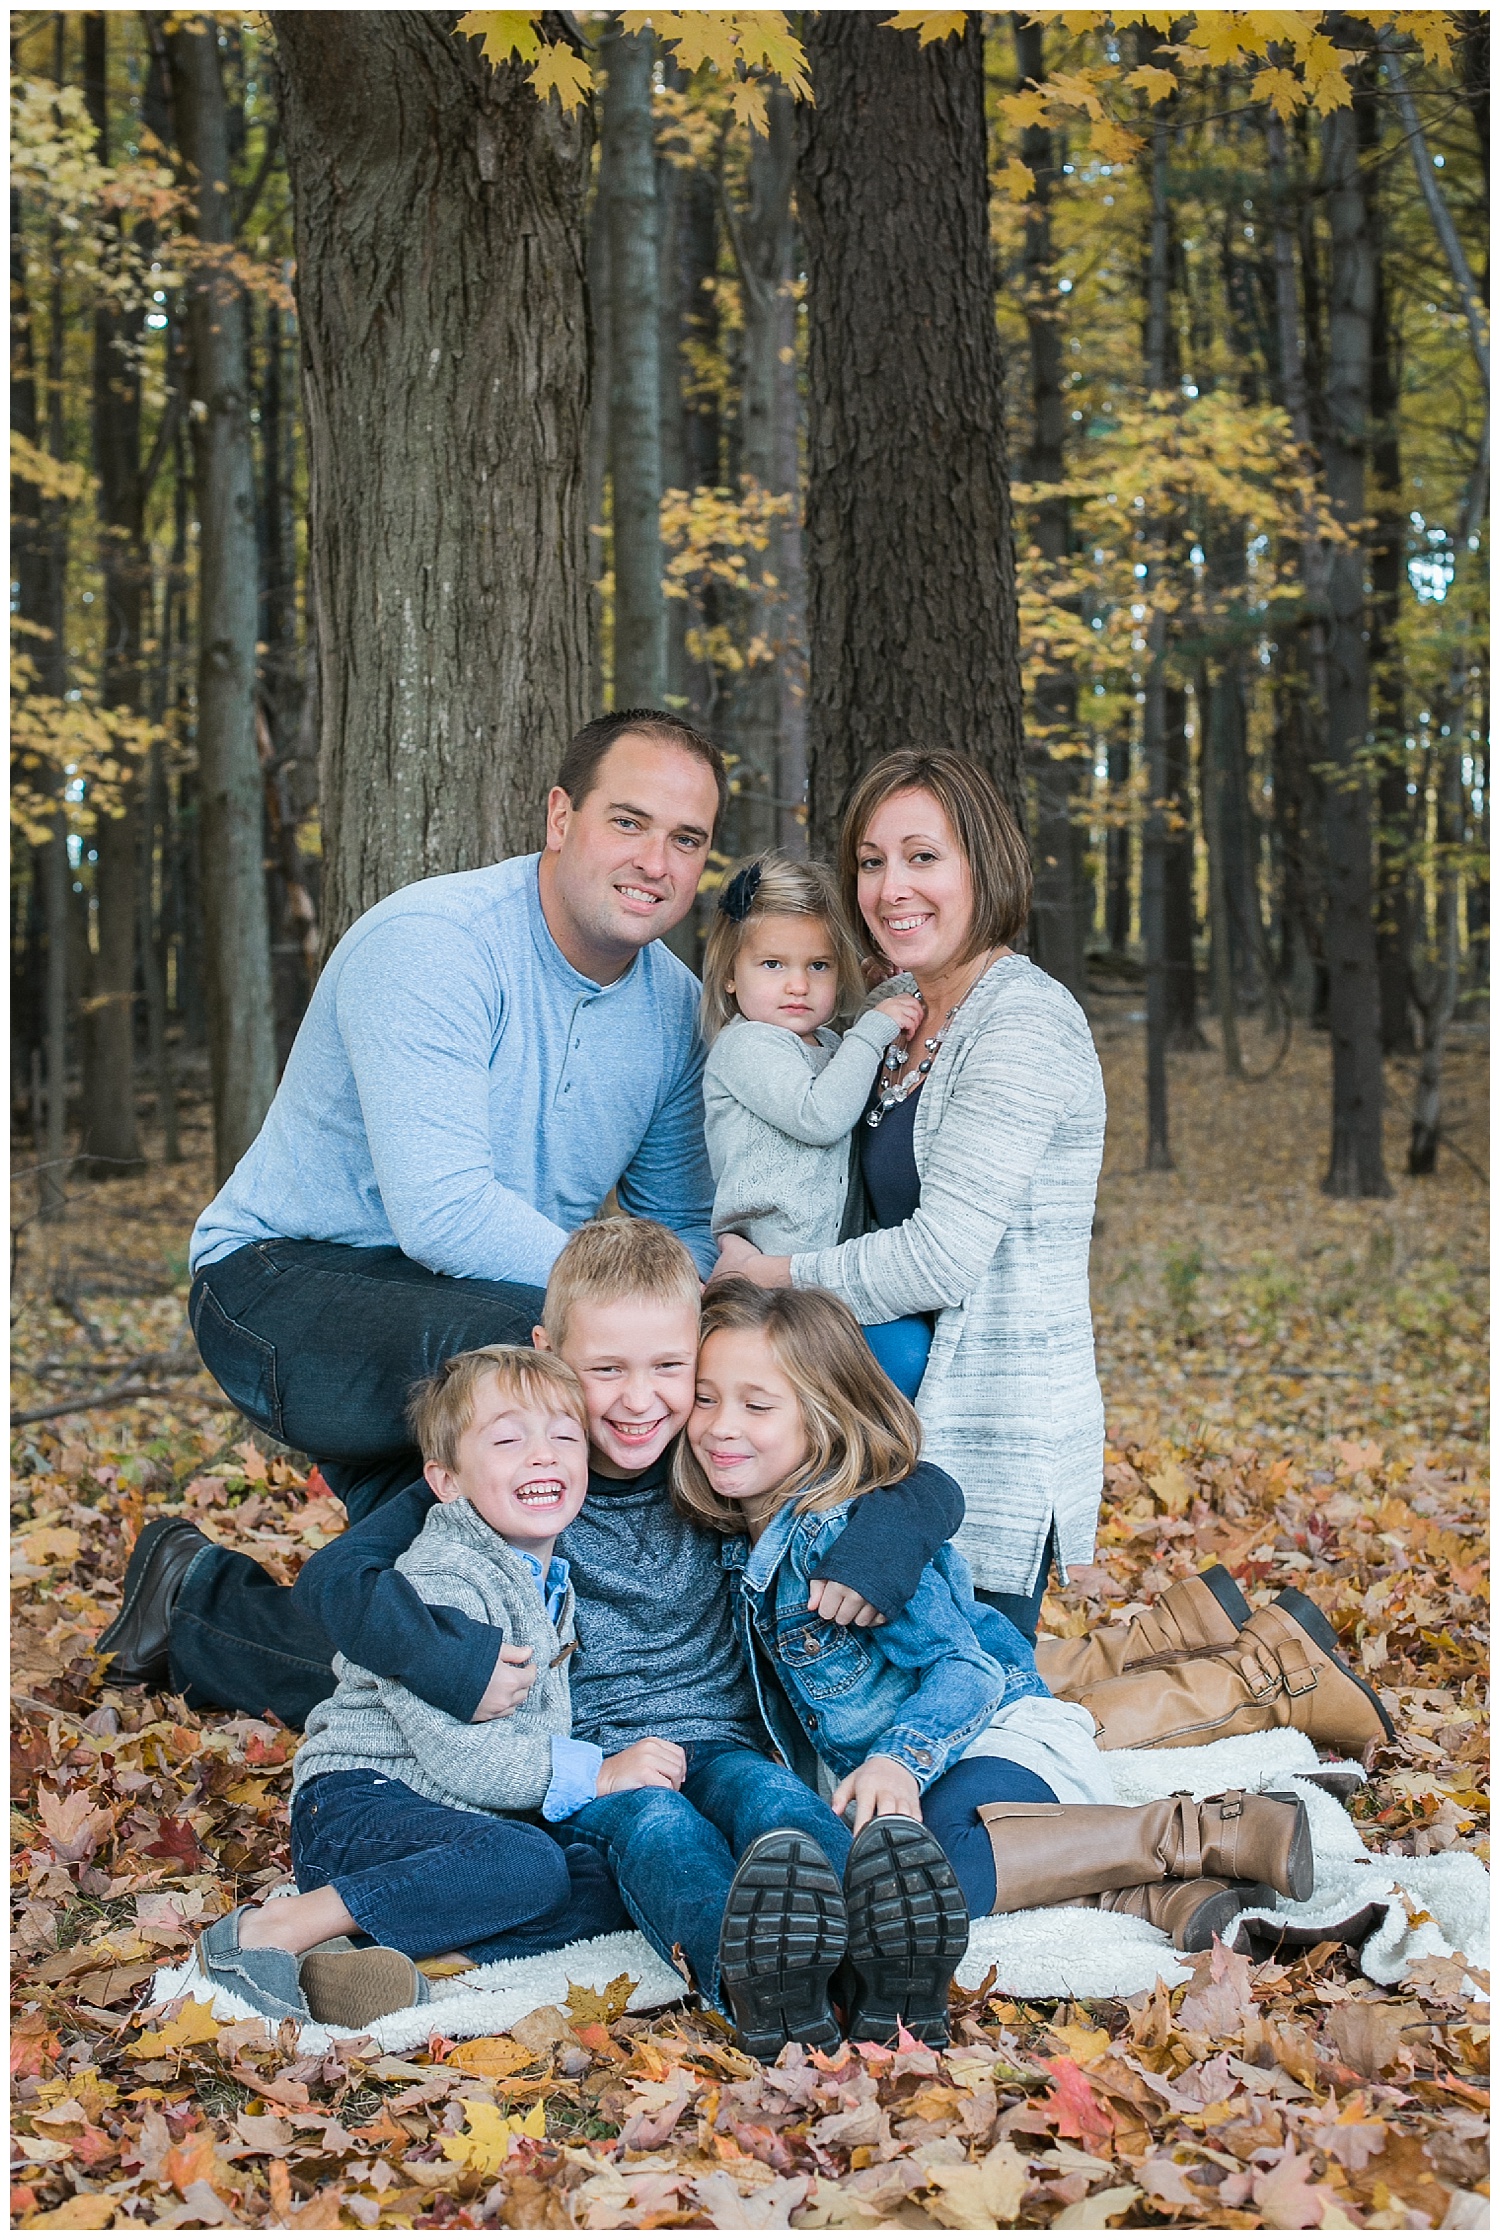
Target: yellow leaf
[85, 2212]
[488, 2136]
[1157, 85]
[929, 25]
[586, 2005]
[1018, 180]
[1222, 37]
[1024, 109]
[1432, 30]
[490, 2057]
[1332, 92]
[1111, 143]
[768, 41]
[1076, 89]
[1172, 1489]
[55, 1543]
[196, 2025]
[51, 478]
[1083, 2044]
[506, 32]
[1279, 27]
[747, 99]
[700, 37]
[559, 70]
[1283, 89]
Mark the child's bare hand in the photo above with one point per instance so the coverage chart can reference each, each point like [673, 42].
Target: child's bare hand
[510, 1684]
[879, 1786]
[906, 1011]
[841, 1606]
[652, 1764]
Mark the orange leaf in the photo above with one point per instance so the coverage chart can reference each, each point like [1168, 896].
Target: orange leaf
[1073, 2107]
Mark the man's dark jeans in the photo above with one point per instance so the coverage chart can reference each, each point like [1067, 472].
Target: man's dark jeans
[319, 1345]
[428, 1878]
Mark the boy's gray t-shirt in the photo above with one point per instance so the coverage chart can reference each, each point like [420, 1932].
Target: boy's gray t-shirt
[657, 1652]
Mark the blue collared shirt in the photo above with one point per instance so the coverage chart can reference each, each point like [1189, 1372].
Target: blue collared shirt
[575, 1765]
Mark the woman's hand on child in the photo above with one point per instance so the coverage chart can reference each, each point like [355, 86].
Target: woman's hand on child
[773, 1272]
[879, 1786]
[906, 1011]
[652, 1764]
[842, 1606]
[510, 1684]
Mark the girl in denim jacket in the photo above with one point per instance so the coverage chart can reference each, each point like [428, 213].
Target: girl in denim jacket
[922, 1719]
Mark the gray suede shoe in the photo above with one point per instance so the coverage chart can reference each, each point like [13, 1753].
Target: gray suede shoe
[268, 1978]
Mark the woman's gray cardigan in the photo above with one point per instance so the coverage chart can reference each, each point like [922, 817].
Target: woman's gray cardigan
[1008, 1136]
[376, 1725]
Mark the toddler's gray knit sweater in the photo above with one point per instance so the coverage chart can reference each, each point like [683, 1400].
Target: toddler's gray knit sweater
[501, 1765]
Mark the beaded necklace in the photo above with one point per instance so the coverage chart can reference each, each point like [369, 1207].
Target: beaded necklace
[893, 1086]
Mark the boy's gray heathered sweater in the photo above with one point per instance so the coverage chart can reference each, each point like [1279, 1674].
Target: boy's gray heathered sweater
[501, 1765]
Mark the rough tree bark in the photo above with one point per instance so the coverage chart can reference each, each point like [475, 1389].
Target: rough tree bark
[911, 570]
[1394, 829]
[1178, 910]
[237, 941]
[1355, 1166]
[628, 157]
[1057, 922]
[440, 254]
[1154, 709]
[107, 1106]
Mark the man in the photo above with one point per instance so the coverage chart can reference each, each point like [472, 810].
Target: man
[485, 1057]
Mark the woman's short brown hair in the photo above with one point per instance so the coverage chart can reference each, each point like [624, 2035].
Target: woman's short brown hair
[992, 842]
[861, 1432]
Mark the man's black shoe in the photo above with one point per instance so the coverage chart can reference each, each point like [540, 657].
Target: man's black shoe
[908, 1931]
[137, 1641]
[782, 1938]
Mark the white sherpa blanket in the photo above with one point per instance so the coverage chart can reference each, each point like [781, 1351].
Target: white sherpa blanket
[1437, 1905]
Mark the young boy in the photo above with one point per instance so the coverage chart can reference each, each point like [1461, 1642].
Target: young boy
[657, 1655]
[394, 1827]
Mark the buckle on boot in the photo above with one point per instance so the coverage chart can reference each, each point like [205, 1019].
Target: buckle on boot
[1298, 1676]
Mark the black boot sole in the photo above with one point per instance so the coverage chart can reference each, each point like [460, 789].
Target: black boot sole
[783, 1934]
[155, 1571]
[1215, 1913]
[1313, 1623]
[1299, 1861]
[1222, 1586]
[908, 1931]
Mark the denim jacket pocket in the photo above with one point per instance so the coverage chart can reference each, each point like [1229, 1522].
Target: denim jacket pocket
[243, 1364]
[823, 1660]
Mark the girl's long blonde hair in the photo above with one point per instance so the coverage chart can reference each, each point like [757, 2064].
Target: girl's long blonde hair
[861, 1432]
[780, 887]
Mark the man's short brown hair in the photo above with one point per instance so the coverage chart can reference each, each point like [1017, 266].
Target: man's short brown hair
[618, 1258]
[579, 769]
[441, 1408]
[992, 842]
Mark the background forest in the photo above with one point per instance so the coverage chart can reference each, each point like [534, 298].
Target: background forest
[1101, 394]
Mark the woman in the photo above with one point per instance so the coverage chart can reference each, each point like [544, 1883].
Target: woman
[979, 1159]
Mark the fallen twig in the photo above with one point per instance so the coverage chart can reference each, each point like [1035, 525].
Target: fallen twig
[86, 1400]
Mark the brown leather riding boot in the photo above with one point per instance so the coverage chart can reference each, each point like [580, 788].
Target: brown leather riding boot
[1046, 1854]
[1192, 1913]
[1193, 1615]
[1283, 1671]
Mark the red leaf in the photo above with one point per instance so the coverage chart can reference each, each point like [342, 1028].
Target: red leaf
[1073, 2108]
[176, 1839]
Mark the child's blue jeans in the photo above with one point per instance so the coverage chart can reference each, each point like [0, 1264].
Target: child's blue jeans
[902, 1348]
[427, 1878]
[673, 1852]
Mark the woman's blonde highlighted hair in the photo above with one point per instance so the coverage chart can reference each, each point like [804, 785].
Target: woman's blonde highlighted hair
[861, 1432]
[785, 889]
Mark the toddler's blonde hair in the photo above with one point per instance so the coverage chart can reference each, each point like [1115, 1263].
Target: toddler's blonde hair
[787, 889]
[861, 1432]
[441, 1408]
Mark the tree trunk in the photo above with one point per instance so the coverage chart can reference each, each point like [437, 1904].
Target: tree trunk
[628, 155]
[1219, 695]
[110, 1141]
[1436, 988]
[440, 258]
[1179, 914]
[1058, 925]
[1154, 708]
[1393, 924]
[237, 943]
[761, 236]
[911, 571]
[1356, 1166]
[596, 446]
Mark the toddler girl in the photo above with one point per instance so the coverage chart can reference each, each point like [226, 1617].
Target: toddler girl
[782, 1093]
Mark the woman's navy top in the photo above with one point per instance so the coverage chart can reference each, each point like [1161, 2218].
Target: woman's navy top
[889, 1163]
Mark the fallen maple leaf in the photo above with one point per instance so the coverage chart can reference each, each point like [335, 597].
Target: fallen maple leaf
[975, 2196]
[1073, 2107]
[586, 2005]
[195, 2024]
[75, 1825]
[490, 2057]
[1286, 2201]
[487, 2136]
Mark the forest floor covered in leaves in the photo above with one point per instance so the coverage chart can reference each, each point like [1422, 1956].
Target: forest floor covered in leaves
[1294, 1387]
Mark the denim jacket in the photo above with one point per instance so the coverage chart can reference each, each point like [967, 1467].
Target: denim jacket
[918, 1689]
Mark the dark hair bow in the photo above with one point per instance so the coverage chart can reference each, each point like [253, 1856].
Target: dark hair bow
[740, 893]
